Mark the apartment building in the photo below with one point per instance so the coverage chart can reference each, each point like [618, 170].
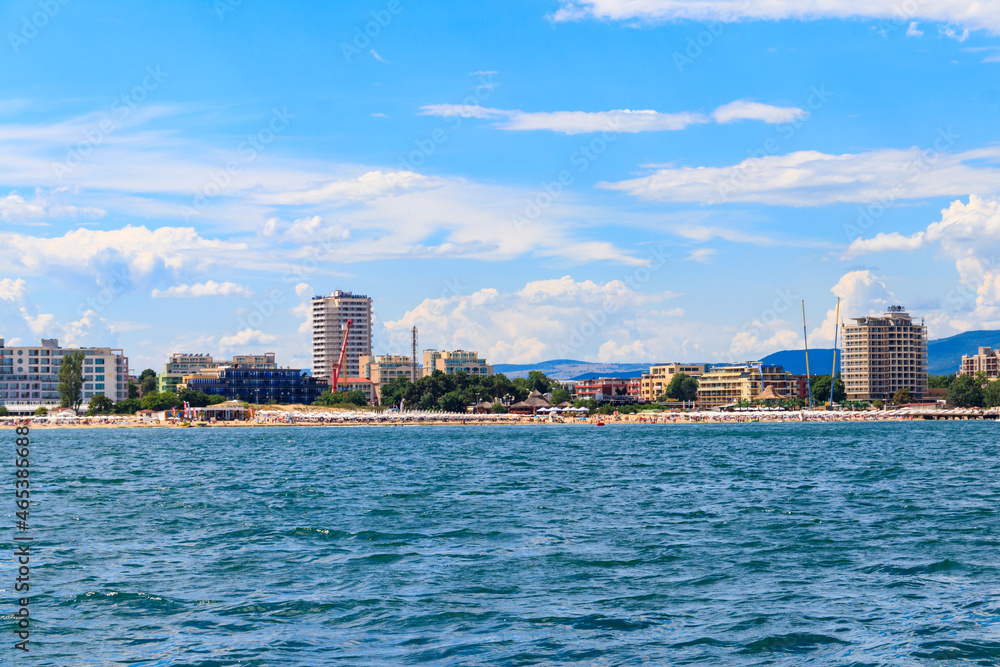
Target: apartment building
[382, 369]
[29, 376]
[455, 361]
[659, 377]
[882, 354]
[725, 385]
[987, 360]
[181, 365]
[615, 390]
[329, 321]
[256, 385]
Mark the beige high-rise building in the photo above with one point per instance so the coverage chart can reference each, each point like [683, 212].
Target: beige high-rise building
[987, 361]
[725, 385]
[882, 354]
[384, 368]
[329, 319]
[659, 377]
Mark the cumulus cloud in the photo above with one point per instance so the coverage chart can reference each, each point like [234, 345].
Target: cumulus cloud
[811, 178]
[244, 338]
[303, 230]
[618, 120]
[861, 293]
[559, 318]
[197, 290]
[21, 321]
[973, 15]
[115, 257]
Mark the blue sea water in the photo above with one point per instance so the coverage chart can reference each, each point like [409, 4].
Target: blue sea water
[756, 544]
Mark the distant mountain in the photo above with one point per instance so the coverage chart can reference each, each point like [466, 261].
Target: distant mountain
[944, 356]
[568, 369]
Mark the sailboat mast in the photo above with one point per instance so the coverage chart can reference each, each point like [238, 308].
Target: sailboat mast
[805, 338]
[836, 330]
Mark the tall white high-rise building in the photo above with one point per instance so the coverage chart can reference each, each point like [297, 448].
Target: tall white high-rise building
[883, 354]
[29, 376]
[329, 319]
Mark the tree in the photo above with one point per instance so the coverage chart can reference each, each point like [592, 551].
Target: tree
[878, 404]
[452, 402]
[902, 396]
[71, 380]
[41, 412]
[940, 381]
[682, 387]
[498, 409]
[157, 401]
[4, 412]
[100, 405]
[560, 395]
[965, 392]
[991, 394]
[129, 406]
[147, 381]
[199, 399]
[821, 389]
[328, 399]
[133, 389]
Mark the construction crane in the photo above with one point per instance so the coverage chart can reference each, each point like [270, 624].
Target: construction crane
[340, 362]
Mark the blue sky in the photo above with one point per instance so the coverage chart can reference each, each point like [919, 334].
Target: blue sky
[612, 180]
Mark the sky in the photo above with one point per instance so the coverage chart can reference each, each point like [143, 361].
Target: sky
[602, 180]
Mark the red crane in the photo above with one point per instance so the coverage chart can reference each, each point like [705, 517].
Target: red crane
[340, 362]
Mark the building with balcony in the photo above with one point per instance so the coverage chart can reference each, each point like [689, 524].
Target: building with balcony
[732, 383]
[382, 369]
[655, 382]
[987, 360]
[29, 376]
[612, 390]
[256, 385]
[882, 354]
[329, 318]
[181, 365]
[453, 362]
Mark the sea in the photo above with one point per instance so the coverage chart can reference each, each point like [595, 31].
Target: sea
[709, 544]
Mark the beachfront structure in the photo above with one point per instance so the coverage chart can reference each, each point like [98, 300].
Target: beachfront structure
[614, 390]
[381, 369]
[882, 354]
[29, 376]
[655, 382]
[181, 365]
[729, 384]
[364, 385]
[237, 382]
[987, 360]
[455, 361]
[329, 318]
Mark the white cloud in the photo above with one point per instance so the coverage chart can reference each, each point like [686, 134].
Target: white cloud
[118, 257]
[303, 230]
[973, 15]
[948, 31]
[368, 186]
[884, 242]
[618, 120]
[749, 110]
[861, 293]
[197, 290]
[244, 338]
[913, 31]
[560, 318]
[12, 290]
[702, 255]
[378, 57]
[811, 178]
[14, 207]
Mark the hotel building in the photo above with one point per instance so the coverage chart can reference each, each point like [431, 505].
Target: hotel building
[329, 320]
[29, 376]
[384, 368]
[239, 382]
[656, 381]
[615, 390]
[882, 354]
[725, 385]
[182, 365]
[453, 362]
[987, 361]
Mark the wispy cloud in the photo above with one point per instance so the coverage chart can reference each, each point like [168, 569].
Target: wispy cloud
[199, 290]
[618, 120]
